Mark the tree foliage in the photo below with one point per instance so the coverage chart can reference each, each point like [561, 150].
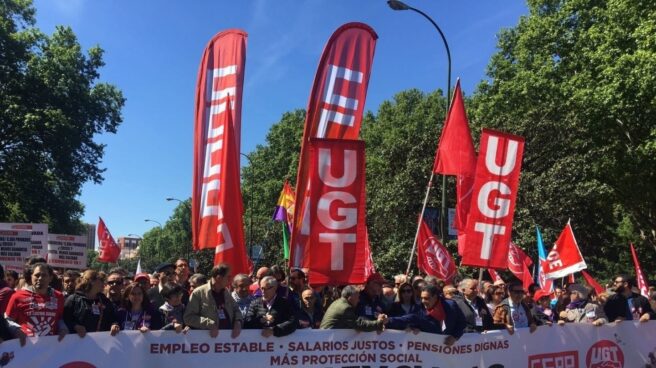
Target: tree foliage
[51, 107]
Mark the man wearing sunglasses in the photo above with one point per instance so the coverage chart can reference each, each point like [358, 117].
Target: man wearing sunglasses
[513, 313]
[114, 288]
[626, 304]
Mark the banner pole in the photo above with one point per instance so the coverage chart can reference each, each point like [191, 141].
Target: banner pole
[421, 218]
[480, 280]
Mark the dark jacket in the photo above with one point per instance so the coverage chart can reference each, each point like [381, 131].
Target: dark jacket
[341, 315]
[454, 320]
[617, 306]
[307, 320]
[155, 297]
[5, 294]
[470, 315]
[284, 321]
[150, 318]
[78, 310]
[396, 310]
[369, 308]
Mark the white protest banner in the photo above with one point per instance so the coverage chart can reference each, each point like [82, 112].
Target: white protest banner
[627, 344]
[39, 236]
[15, 246]
[67, 251]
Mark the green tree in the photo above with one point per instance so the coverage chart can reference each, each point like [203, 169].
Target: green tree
[51, 107]
[576, 79]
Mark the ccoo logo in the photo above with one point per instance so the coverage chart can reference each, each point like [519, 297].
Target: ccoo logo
[604, 354]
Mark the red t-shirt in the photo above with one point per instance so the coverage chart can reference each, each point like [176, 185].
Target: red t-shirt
[38, 315]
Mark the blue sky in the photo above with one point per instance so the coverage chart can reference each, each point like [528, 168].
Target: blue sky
[153, 48]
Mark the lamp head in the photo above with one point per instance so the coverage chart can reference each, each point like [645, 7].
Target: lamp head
[397, 5]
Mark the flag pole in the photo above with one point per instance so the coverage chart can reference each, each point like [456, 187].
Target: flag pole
[421, 218]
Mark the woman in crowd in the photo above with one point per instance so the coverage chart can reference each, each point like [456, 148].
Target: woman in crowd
[493, 296]
[137, 313]
[542, 308]
[405, 302]
[580, 309]
[88, 310]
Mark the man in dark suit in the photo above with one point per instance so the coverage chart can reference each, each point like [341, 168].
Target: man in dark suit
[271, 313]
[473, 307]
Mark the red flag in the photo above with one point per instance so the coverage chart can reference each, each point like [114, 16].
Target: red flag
[432, 257]
[108, 250]
[565, 257]
[489, 225]
[592, 282]
[217, 207]
[570, 278]
[494, 275]
[337, 213]
[640, 277]
[518, 264]
[334, 111]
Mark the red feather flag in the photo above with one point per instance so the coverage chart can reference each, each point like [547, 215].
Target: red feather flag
[592, 282]
[217, 207]
[108, 251]
[640, 277]
[334, 111]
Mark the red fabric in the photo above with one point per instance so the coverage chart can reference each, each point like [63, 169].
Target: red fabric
[592, 282]
[456, 156]
[338, 229]
[565, 257]
[108, 251]
[432, 257]
[489, 225]
[369, 266]
[455, 152]
[37, 314]
[437, 312]
[518, 263]
[640, 277]
[493, 275]
[334, 111]
[217, 207]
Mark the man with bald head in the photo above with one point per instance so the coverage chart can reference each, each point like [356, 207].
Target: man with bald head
[261, 273]
[473, 307]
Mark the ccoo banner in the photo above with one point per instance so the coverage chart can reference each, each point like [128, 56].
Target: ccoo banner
[572, 346]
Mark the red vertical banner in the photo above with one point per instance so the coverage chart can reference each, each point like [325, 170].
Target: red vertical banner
[217, 207]
[494, 193]
[334, 111]
[432, 257]
[337, 212]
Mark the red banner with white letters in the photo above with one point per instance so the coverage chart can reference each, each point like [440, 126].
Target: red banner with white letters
[494, 193]
[432, 257]
[334, 111]
[565, 257]
[217, 207]
[338, 231]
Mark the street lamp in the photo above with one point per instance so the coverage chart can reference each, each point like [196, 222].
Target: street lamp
[399, 5]
[250, 215]
[186, 204]
[159, 236]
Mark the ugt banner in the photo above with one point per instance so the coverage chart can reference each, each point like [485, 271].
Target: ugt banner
[217, 207]
[334, 110]
[338, 230]
[108, 251]
[575, 345]
[432, 257]
[489, 225]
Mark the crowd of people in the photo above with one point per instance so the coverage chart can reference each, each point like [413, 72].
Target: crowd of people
[42, 301]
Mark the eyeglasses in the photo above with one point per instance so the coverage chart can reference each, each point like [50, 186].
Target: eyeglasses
[115, 282]
[619, 281]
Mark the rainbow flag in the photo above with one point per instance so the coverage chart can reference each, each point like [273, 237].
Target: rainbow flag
[284, 213]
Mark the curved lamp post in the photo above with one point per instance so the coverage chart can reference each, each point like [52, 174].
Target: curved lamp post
[159, 236]
[399, 5]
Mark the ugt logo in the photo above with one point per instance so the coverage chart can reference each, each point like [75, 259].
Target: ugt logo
[604, 354]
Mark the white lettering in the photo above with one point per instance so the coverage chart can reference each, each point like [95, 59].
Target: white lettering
[326, 168]
[491, 157]
[337, 241]
[502, 205]
[489, 231]
[349, 215]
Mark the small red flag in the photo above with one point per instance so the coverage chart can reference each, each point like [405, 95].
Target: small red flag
[642, 282]
[455, 151]
[518, 263]
[565, 257]
[494, 275]
[432, 257]
[109, 251]
[592, 282]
